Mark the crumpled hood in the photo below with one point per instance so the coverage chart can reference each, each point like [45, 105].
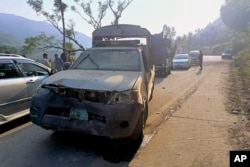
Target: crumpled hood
[94, 80]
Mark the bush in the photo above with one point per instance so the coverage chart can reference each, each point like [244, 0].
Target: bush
[242, 62]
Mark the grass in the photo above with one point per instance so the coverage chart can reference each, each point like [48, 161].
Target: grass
[242, 63]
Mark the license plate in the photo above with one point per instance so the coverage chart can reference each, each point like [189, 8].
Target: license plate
[78, 113]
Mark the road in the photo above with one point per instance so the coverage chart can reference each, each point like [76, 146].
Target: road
[29, 145]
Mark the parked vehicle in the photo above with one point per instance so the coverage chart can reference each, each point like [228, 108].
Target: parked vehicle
[227, 54]
[106, 90]
[19, 79]
[10, 54]
[163, 52]
[181, 61]
[194, 56]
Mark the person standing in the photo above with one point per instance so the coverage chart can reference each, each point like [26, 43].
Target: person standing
[58, 63]
[45, 60]
[64, 56]
[70, 58]
[201, 60]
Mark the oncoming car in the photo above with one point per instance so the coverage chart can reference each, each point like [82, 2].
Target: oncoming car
[227, 54]
[181, 61]
[19, 79]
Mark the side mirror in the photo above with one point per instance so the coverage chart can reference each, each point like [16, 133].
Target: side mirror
[32, 73]
[53, 71]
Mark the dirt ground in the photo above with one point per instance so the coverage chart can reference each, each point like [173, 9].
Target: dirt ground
[200, 128]
[238, 103]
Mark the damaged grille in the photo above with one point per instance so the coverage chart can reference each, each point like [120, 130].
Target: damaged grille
[80, 94]
[65, 112]
[93, 96]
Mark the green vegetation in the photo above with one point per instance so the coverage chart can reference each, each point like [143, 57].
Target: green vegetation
[8, 43]
[6, 49]
[235, 14]
[242, 62]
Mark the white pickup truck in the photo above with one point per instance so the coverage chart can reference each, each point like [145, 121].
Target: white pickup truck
[105, 92]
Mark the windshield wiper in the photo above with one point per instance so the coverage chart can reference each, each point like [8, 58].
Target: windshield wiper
[92, 61]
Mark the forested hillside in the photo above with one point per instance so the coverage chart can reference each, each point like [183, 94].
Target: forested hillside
[14, 29]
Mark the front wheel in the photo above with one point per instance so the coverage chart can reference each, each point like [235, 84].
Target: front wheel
[138, 133]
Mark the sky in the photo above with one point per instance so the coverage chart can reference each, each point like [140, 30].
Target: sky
[184, 15]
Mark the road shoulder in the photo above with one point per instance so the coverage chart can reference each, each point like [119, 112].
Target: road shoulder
[197, 134]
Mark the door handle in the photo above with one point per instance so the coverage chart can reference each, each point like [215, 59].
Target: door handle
[30, 81]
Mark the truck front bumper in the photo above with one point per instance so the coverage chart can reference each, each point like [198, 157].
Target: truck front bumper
[62, 113]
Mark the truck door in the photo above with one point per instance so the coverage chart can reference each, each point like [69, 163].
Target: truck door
[150, 76]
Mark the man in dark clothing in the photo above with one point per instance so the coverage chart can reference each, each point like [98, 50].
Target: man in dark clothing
[64, 56]
[200, 59]
[58, 63]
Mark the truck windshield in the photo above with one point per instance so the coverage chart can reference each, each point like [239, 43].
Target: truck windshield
[110, 60]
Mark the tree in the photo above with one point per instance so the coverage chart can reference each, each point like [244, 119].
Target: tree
[8, 49]
[121, 6]
[59, 10]
[236, 14]
[56, 19]
[96, 22]
[168, 32]
[42, 42]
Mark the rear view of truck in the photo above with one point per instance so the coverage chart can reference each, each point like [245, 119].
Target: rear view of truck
[162, 54]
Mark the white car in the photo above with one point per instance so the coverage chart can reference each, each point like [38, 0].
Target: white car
[19, 79]
[181, 61]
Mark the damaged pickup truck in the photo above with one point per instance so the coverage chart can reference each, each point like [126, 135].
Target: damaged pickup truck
[105, 92]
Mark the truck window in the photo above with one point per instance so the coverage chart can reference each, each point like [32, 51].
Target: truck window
[110, 60]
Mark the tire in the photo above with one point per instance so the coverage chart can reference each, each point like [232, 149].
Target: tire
[169, 70]
[164, 74]
[138, 133]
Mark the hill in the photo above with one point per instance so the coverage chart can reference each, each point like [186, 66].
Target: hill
[16, 29]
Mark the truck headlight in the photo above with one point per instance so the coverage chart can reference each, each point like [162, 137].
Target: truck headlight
[130, 96]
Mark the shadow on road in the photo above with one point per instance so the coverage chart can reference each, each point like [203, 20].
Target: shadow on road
[199, 72]
[110, 151]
